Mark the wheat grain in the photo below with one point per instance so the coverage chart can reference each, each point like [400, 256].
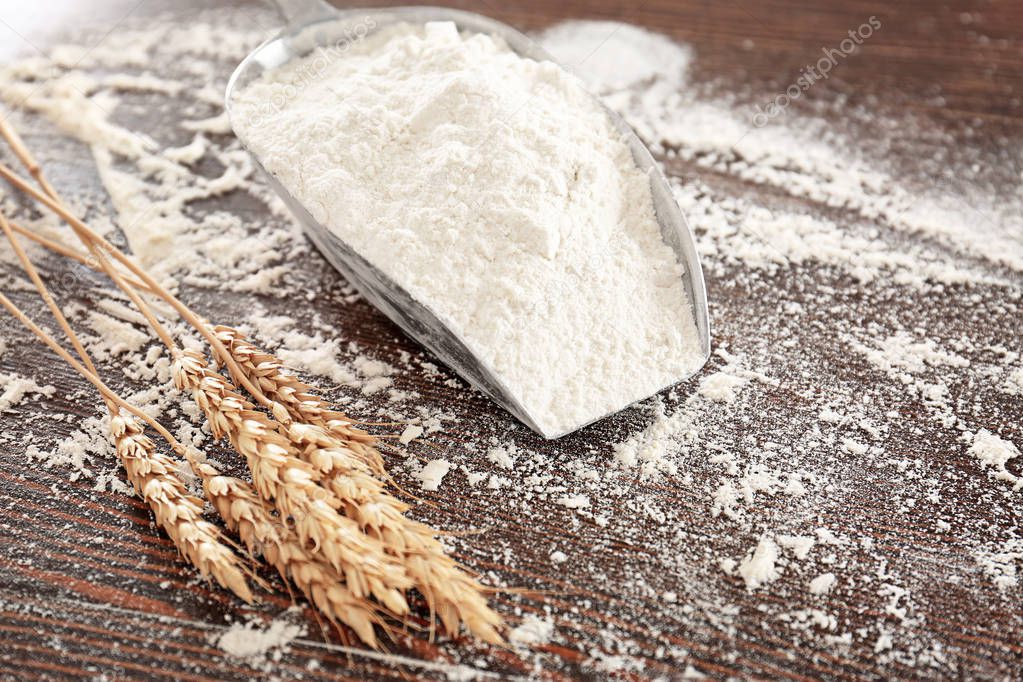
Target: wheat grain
[280, 477]
[177, 512]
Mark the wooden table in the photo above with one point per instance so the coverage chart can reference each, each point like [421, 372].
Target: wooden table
[89, 588]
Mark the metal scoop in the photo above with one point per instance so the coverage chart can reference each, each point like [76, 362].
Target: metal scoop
[313, 24]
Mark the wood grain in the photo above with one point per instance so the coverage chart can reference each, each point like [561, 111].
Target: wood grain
[90, 588]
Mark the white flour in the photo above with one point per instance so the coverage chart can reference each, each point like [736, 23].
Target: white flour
[822, 584]
[532, 631]
[254, 645]
[760, 567]
[495, 191]
[433, 473]
[14, 388]
[994, 452]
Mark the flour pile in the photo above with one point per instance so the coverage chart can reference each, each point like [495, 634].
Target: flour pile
[496, 192]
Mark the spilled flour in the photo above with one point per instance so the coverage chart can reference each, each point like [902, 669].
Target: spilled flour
[258, 646]
[840, 484]
[15, 389]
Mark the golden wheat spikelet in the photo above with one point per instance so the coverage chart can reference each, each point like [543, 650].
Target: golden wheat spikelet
[450, 592]
[246, 513]
[177, 512]
[298, 399]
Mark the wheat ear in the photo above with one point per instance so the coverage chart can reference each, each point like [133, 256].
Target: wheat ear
[177, 512]
[297, 397]
[450, 592]
[150, 472]
[280, 477]
[245, 513]
[324, 441]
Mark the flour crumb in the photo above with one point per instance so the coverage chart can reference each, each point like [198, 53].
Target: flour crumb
[692, 673]
[822, 584]
[255, 645]
[993, 451]
[800, 545]
[650, 449]
[532, 631]
[826, 536]
[722, 387]
[433, 473]
[16, 388]
[760, 567]
[411, 432]
[503, 455]
[574, 501]
[1001, 563]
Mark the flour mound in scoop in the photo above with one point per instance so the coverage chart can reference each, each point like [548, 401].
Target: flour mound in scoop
[496, 192]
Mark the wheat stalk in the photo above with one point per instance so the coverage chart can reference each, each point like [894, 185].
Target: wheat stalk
[99, 247]
[17, 146]
[150, 472]
[280, 477]
[180, 515]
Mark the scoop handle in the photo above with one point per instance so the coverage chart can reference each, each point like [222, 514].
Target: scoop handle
[300, 11]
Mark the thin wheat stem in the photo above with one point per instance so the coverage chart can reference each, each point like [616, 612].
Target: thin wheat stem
[14, 140]
[33, 274]
[90, 237]
[25, 156]
[104, 390]
[68, 252]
